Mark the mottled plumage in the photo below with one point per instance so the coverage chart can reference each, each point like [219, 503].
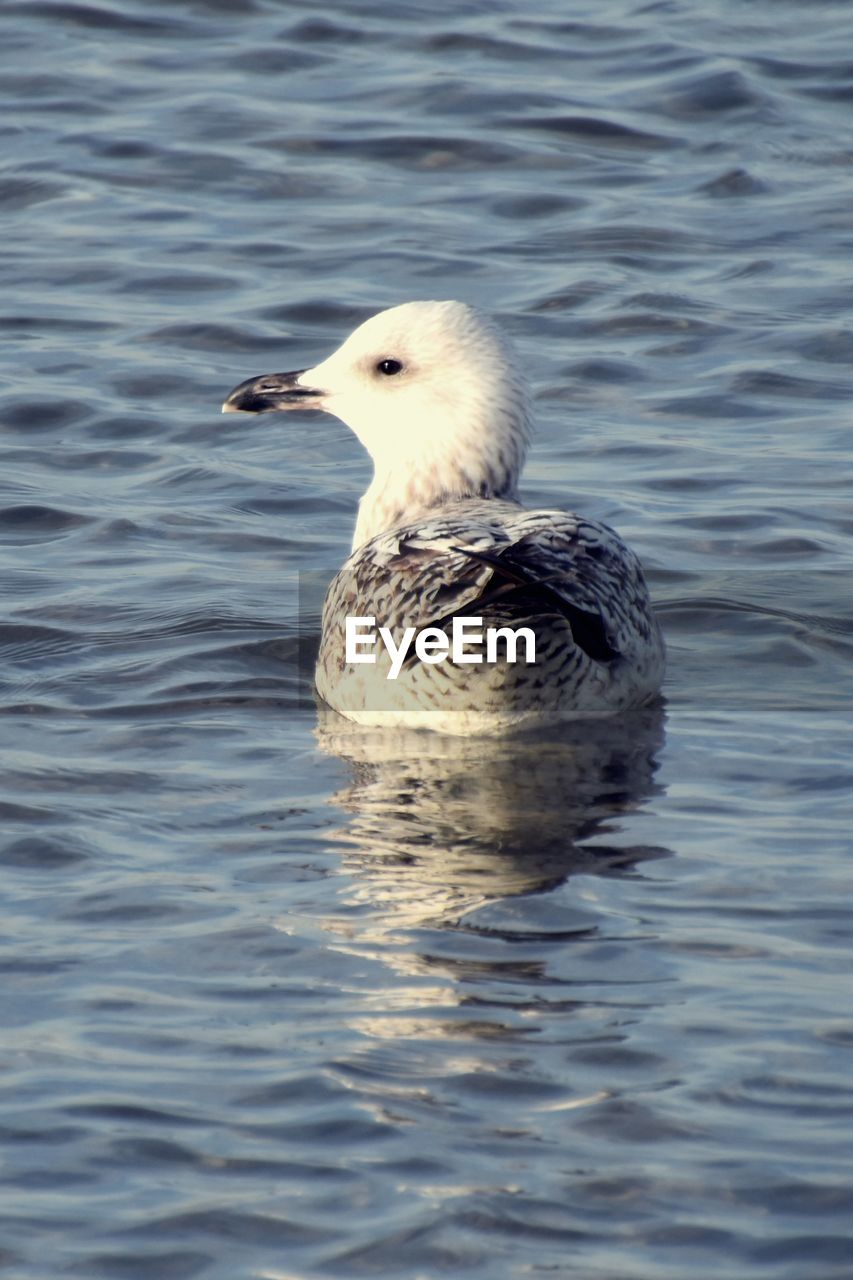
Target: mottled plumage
[434, 392]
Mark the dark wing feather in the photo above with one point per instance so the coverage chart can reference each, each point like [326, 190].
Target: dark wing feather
[513, 583]
[588, 630]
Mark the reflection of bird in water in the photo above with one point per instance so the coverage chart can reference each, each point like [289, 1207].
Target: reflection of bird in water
[436, 395]
[440, 825]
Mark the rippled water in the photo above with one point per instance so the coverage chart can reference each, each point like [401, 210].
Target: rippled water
[286, 1000]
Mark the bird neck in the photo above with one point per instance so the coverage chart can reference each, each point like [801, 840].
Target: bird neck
[394, 499]
[471, 446]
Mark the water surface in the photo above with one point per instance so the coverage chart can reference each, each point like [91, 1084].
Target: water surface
[284, 1000]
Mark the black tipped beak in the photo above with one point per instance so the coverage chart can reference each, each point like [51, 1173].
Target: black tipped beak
[272, 391]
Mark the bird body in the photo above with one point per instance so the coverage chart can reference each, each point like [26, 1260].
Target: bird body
[434, 392]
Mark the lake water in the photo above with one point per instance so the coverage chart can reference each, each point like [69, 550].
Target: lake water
[282, 1000]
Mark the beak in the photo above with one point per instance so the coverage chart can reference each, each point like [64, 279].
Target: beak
[272, 391]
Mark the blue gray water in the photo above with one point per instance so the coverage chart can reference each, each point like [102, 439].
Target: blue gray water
[282, 1001]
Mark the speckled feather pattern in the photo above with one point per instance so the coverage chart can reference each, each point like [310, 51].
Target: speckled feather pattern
[418, 574]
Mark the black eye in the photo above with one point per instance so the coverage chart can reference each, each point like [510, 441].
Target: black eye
[389, 367]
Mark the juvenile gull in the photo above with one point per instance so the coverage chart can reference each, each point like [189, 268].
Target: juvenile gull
[434, 392]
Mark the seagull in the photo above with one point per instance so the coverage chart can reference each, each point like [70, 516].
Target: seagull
[435, 393]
